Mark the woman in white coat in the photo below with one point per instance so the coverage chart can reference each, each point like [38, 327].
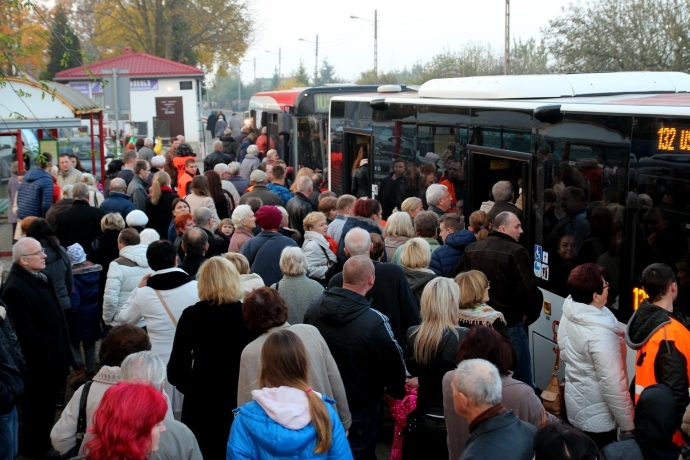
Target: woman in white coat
[593, 349]
[316, 247]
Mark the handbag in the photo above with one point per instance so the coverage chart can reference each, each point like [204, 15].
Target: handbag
[552, 397]
[81, 424]
[333, 269]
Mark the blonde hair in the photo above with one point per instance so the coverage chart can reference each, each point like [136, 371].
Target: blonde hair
[239, 261]
[226, 221]
[400, 224]
[439, 313]
[285, 362]
[416, 253]
[293, 262]
[479, 219]
[302, 172]
[472, 286]
[160, 179]
[410, 204]
[112, 221]
[218, 281]
[312, 219]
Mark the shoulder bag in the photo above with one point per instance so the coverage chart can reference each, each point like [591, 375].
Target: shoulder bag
[81, 424]
[552, 397]
[333, 268]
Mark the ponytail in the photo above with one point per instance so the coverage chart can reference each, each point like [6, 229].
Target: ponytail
[480, 223]
[160, 179]
[321, 420]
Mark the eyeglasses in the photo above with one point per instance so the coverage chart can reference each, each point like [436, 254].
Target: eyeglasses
[37, 253]
[606, 285]
[488, 284]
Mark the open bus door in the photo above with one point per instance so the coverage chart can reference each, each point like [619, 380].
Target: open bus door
[486, 166]
[355, 140]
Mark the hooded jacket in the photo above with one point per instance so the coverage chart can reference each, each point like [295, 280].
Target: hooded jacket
[418, 279]
[35, 194]
[663, 354]
[277, 425]
[445, 258]
[596, 381]
[362, 344]
[84, 323]
[124, 275]
[282, 191]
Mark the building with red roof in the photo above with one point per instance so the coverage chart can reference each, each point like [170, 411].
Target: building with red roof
[164, 95]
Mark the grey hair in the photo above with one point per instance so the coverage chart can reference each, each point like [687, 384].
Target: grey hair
[80, 191]
[502, 219]
[358, 242]
[293, 262]
[148, 142]
[143, 365]
[478, 379]
[67, 191]
[19, 248]
[252, 150]
[118, 185]
[303, 183]
[240, 213]
[434, 193]
[502, 191]
[148, 236]
[202, 216]
[217, 145]
[234, 168]
[285, 214]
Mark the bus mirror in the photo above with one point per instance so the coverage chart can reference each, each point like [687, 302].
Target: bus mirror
[379, 104]
[550, 114]
[284, 122]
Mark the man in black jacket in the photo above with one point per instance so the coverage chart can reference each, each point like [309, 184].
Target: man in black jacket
[11, 385]
[194, 244]
[368, 356]
[42, 334]
[81, 223]
[391, 295]
[216, 157]
[514, 288]
[204, 220]
[299, 206]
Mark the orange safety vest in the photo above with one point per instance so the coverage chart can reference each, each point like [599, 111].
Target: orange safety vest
[646, 357]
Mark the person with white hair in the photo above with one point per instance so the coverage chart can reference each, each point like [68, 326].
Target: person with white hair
[148, 236]
[250, 162]
[240, 183]
[244, 221]
[439, 199]
[95, 196]
[146, 152]
[216, 157]
[295, 287]
[495, 432]
[223, 171]
[503, 194]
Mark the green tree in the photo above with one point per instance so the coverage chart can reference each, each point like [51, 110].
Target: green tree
[301, 76]
[617, 35]
[276, 79]
[528, 57]
[64, 50]
[327, 73]
[369, 78]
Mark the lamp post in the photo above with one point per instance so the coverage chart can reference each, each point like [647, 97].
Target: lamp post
[506, 51]
[280, 56]
[239, 79]
[376, 39]
[316, 61]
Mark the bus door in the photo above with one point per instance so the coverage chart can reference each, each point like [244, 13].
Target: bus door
[355, 172]
[486, 166]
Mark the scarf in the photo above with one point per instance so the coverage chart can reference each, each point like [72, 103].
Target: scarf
[482, 314]
[168, 280]
[167, 188]
[492, 411]
[332, 244]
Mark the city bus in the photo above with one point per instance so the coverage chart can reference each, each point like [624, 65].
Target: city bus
[308, 121]
[622, 140]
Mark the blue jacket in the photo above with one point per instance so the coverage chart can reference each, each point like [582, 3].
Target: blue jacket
[86, 314]
[35, 194]
[283, 192]
[118, 202]
[445, 258]
[263, 254]
[254, 435]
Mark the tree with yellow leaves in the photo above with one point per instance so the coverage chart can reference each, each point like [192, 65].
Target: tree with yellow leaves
[207, 32]
[23, 38]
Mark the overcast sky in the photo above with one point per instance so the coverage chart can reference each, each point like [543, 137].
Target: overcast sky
[407, 32]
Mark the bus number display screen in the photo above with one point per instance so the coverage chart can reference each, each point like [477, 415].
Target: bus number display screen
[322, 102]
[638, 296]
[673, 139]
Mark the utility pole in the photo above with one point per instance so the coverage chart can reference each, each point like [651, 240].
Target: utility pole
[506, 56]
[239, 83]
[376, 45]
[117, 115]
[316, 62]
[280, 59]
[255, 74]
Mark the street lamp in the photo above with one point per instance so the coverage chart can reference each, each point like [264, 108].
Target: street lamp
[316, 62]
[239, 78]
[279, 53]
[376, 46]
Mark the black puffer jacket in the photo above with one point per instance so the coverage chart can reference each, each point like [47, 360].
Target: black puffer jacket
[361, 342]
[361, 222]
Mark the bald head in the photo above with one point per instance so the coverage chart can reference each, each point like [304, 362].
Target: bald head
[118, 185]
[357, 242]
[357, 271]
[218, 145]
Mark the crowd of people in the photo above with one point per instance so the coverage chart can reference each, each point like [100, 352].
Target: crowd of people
[247, 312]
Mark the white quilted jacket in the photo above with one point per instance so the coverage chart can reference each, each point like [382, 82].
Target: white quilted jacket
[593, 349]
[123, 278]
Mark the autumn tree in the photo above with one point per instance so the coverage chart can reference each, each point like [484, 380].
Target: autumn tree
[23, 35]
[369, 78]
[64, 50]
[621, 35]
[207, 32]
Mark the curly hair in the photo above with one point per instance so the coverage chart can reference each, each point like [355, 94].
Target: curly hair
[264, 308]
